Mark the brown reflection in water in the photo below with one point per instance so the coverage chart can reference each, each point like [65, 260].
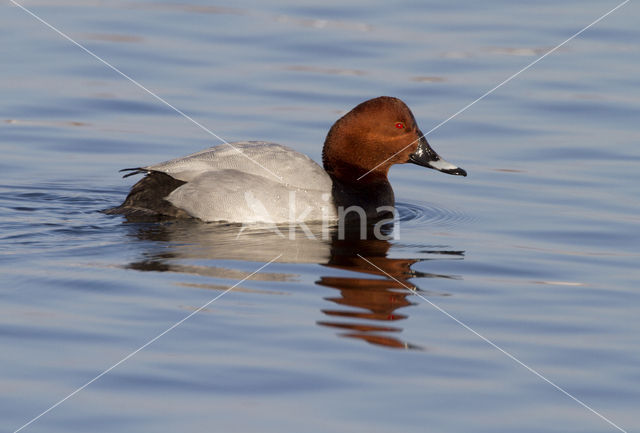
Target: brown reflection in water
[368, 306]
[372, 304]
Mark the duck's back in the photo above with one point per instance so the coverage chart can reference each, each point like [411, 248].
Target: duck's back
[269, 160]
[237, 182]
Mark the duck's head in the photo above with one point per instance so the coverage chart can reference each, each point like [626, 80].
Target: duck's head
[364, 143]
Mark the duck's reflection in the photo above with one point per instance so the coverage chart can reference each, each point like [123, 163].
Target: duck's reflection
[368, 305]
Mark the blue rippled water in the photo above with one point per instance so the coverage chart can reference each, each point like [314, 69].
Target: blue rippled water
[536, 250]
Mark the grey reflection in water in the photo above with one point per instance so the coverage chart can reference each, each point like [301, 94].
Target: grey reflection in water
[366, 308]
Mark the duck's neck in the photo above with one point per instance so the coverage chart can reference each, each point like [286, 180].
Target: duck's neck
[373, 195]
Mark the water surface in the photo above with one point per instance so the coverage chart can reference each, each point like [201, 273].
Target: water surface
[536, 250]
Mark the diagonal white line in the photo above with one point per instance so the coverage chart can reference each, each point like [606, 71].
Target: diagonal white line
[175, 325]
[488, 92]
[109, 65]
[491, 343]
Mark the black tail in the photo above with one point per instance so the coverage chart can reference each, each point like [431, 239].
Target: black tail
[134, 171]
[147, 197]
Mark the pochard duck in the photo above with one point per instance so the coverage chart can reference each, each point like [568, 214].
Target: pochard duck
[253, 182]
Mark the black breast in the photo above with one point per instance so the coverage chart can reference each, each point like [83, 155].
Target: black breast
[373, 197]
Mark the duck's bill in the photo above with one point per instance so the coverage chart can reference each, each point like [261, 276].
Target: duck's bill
[427, 157]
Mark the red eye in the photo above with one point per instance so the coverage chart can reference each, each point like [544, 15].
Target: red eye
[400, 125]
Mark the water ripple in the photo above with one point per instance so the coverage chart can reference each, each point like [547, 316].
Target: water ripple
[426, 213]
